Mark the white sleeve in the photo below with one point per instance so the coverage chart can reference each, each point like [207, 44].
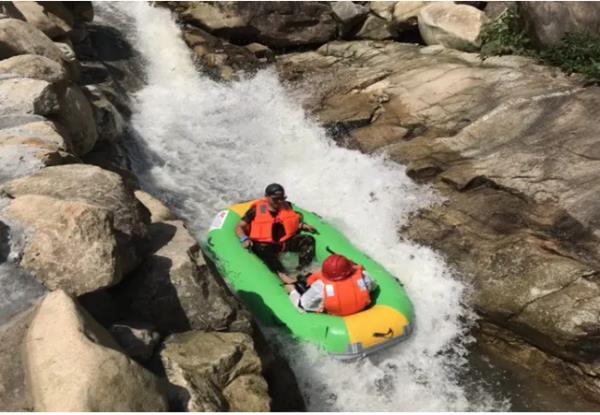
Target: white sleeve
[295, 299]
[369, 282]
[312, 299]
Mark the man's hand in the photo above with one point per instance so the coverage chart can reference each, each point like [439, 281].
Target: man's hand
[247, 244]
[286, 278]
[309, 228]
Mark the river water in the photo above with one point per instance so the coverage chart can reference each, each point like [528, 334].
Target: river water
[201, 145]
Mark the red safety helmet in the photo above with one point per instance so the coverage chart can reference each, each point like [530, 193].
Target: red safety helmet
[337, 267]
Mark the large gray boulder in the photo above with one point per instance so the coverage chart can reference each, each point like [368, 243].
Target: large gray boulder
[18, 38]
[27, 96]
[42, 130]
[456, 26]
[108, 120]
[88, 184]
[349, 15]
[219, 372]
[383, 9]
[33, 84]
[275, 24]
[548, 21]
[376, 28]
[77, 115]
[21, 157]
[14, 395]
[35, 67]
[73, 245]
[73, 364]
[174, 289]
[104, 202]
[405, 14]
[26, 148]
[52, 18]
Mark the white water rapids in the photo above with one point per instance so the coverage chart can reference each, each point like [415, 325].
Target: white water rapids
[212, 144]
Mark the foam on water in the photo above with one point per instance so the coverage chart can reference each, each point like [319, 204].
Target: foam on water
[212, 144]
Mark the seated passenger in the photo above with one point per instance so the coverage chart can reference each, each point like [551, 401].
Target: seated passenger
[272, 226]
[340, 289]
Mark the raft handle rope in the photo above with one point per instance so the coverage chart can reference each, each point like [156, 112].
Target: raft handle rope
[389, 333]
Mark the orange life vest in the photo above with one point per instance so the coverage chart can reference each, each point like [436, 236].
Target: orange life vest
[261, 228]
[344, 297]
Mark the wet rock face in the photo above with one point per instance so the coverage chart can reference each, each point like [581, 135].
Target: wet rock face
[509, 348]
[547, 22]
[107, 380]
[219, 372]
[510, 146]
[275, 24]
[218, 56]
[174, 289]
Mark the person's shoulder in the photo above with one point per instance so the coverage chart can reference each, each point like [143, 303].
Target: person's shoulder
[250, 214]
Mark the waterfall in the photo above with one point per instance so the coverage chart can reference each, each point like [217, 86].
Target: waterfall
[207, 144]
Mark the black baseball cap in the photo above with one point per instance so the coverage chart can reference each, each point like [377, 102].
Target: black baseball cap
[274, 189]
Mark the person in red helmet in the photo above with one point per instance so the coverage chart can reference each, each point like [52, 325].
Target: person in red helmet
[341, 288]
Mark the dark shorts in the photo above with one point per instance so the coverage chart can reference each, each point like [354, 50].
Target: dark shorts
[304, 245]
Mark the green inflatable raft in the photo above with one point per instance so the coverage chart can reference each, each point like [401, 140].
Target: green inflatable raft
[388, 320]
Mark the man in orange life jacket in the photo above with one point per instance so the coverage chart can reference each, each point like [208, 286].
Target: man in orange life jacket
[271, 226]
[340, 289]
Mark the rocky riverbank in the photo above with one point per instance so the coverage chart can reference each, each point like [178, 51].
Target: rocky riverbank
[132, 318]
[509, 143]
[129, 315]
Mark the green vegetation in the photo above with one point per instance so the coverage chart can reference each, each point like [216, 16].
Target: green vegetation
[577, 53]
[505, 36]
